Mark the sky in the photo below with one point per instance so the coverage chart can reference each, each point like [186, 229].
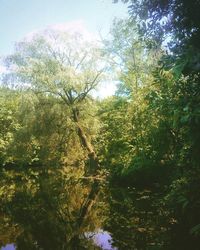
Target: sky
[19, 18]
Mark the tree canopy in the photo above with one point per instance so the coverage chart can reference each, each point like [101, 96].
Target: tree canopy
[128, 163]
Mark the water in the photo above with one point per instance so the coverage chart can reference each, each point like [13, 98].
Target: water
[40, 211]
[9, 247]
[101, 239]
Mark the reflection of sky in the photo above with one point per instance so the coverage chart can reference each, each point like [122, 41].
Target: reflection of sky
[8, 247]
[103, 240]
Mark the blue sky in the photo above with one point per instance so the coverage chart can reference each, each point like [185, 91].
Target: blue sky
[19, 17]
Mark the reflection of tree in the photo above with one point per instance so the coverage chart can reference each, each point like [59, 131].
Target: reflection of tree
[8, 230]
[137, 220]
[46, 208]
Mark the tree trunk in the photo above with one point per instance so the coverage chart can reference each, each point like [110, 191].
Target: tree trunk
[93, 168]
[93, 159]
[85, 208]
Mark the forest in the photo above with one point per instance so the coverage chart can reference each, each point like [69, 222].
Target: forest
[73, 164]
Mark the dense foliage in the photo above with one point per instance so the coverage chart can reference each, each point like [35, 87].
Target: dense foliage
[58, 142]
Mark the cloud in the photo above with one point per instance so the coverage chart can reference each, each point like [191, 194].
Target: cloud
[2, 69]
[76, 26]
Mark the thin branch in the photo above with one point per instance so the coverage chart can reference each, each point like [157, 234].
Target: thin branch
[82, 59]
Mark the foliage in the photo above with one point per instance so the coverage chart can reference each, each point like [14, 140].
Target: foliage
[41, 207]
[174, 100]
[145, 137]
[35, 131]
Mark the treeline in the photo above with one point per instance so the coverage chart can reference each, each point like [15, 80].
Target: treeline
[159, 116]
[146, 136]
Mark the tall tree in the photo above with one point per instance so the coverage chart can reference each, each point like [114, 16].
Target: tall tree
[130, 58]
[175, 22]
[63, 65]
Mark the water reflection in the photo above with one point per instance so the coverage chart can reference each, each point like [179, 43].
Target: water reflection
[9, 247]
[102, 239]
[137, 220]
[40, 210]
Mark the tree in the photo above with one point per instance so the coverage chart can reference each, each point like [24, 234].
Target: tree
[130, 57]
[175, 22]
[63, 65]
[175, 100]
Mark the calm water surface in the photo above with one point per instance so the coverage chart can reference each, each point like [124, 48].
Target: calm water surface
[40, 211]
[101, 239]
